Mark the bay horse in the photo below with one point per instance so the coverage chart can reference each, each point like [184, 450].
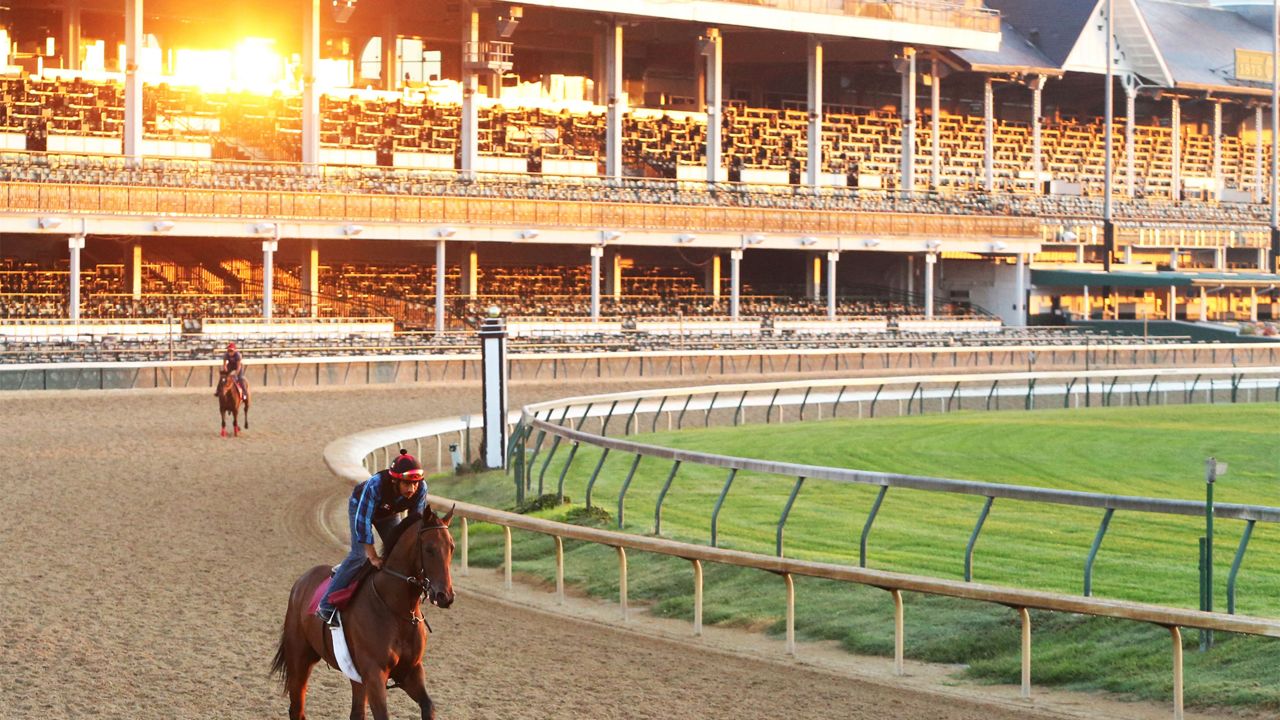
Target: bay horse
[385, 629]
[230, 397]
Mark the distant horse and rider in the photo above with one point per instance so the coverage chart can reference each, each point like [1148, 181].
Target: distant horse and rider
[367, 618]
[232, 390]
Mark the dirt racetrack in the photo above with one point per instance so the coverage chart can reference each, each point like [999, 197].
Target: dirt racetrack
[146, 564]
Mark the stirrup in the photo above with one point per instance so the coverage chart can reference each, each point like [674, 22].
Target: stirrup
[332, 621]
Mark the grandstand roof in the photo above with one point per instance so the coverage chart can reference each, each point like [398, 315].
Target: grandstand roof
[1017, 53]
[1099, 278]
[1052, 28]
[1198, 44]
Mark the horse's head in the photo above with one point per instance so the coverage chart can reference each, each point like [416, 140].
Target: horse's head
[225, 382]
[435, 555]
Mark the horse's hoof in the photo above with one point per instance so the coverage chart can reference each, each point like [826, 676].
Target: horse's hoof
[224, 432]
[237, 432]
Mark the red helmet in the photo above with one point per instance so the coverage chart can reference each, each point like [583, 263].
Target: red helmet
[231, 346]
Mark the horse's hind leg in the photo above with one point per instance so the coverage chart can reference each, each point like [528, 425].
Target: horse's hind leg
[303, 661]
[357, 701]
[414, 684]
[224, 423]
[246, 411]
[235, 422]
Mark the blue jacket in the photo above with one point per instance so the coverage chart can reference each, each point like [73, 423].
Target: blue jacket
[379, 497]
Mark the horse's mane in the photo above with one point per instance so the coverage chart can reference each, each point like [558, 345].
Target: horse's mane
[393, 537]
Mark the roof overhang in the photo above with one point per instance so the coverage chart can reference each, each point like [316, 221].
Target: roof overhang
[740, 14]
[1047, 277]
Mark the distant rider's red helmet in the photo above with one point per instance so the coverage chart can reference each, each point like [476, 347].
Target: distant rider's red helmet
[231, 346]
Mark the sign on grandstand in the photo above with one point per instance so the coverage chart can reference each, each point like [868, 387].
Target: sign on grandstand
[1253, 65]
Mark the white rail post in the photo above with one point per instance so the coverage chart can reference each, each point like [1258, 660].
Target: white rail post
[506, 557]
[697, 598]
[1176, 632]
[791, 613]
[897, 632]
[622, 581]
[466, 547]
[559, 570]
[1026, 652]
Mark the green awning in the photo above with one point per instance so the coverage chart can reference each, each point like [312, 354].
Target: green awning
[1124, 278]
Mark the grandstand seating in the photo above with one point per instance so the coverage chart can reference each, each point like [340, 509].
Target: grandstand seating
[860, 143]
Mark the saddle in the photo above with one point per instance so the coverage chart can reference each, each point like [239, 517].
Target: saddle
[342, 596]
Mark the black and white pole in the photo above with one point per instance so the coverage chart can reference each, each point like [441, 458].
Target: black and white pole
[493, 354]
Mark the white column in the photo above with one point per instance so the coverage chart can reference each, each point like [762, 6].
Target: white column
[988, 136]
[1037, 123]
[713, 277]
[833, 257]
[390, 54]
[814, 174]
[1080, 254]
[735, 268]
[615, 102]
[712, 49]
[813, 277]
[311, 93]
[596, 253]
[1172, 310]
[616, 271]
[472, 275]
[269, 248]
[1088, 313]
[470, 130]
[1259, 190]
[1130, 98]
[935, 124]
[135, 272]
[1204, 304]
[1253, 304]
[71, 34]
[311, 276]
[930, 259]
[1219, 258]
[440, 283]
[1217, 147]
[1127, 254]
[132, 82]
[75, 244]
[1175, 124]
[1020, 288]
[1262, 259]
[908, 70]
[911, 275]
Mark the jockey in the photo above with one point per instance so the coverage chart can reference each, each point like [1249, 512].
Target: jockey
[376, 504]
[233, 364]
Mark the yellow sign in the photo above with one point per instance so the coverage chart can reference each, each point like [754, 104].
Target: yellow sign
[1253, 66]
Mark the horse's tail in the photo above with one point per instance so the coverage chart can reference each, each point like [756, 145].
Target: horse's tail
[280, 664]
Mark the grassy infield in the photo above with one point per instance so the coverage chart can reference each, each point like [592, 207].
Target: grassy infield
[1156, 452]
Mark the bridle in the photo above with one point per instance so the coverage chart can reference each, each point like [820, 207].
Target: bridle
[420, 581]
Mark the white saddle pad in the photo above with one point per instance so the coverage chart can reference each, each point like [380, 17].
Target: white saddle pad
[342, 654]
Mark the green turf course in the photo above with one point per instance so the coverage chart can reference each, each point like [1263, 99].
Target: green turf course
[1155, 451]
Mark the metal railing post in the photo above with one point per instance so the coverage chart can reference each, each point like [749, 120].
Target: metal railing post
[1093, 551]
[786, 511]
[622, 494]
[866, 527]
[605, 426]
[662, 494]
[1235, 567]
[573, 450]
[657, 415]
[973, 539]
[604, 454]
[466, 548]
[715, 513]
[680, 419]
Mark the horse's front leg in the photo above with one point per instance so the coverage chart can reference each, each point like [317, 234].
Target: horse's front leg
[414, 683]
[357, 701]
[223, 414]
[235, 422]
[375, 691]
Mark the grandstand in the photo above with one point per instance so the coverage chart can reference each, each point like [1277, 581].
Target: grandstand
[566, 163]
